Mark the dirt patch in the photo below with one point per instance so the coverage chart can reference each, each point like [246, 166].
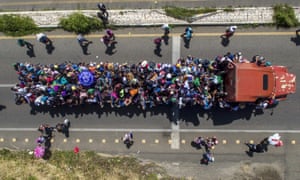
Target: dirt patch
[253, 171]
[220, 171]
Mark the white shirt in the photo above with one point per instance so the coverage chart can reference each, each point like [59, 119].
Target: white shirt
[40, 35]
[232, 28]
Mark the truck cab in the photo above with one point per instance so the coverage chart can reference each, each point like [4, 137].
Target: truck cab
[248, 82]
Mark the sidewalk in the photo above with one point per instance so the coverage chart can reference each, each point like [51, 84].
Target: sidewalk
[152, 17]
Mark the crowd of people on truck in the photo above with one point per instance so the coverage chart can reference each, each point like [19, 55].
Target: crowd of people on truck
[191, 81]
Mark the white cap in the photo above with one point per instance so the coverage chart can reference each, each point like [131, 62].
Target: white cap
[169, 76]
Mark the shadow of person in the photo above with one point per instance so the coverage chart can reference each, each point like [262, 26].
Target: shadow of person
[49, 47]
[48, 143]
[30, 53]
[196, 145]
[85, 50]
[66, 132]
[249, 153]
[157, 50]
[165, 39]
[186, 43]
[296, 40]
[47, 154]
[2, 107]
[157, 42]
[129, 144]
[111, 49]
[225, 41]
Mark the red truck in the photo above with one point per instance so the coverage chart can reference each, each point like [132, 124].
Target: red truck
[249, 82]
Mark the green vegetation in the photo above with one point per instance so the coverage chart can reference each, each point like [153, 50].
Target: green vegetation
[184, 14]
[68, 165]
[79, 23]
[15, 25]
[284, 16]
[228, 9]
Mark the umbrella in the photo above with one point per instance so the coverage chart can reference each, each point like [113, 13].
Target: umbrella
[39, 152]
[86, 78]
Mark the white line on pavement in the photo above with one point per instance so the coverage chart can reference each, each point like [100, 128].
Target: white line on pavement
[161, 130]
[7, 85]
[175, 49]
[175, 136]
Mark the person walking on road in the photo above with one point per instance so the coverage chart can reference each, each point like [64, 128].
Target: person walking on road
[43, 38]
[103, 14]
[228, 33]
[255, 148]
[84, 43]
[109, 40]
[128, 139]
[165, 37]
[64, 127]
[28, 45]
[187, 36]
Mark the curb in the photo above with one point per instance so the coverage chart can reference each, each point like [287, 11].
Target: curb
[157, 17]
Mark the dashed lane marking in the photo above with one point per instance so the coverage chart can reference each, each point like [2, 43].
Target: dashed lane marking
[65, 140]
[1, 139]
[224, 141]
[144, 141]
[156, 141]
[117, 141]
[14, 140]
[293, 142]
[103, 141]
[237, 141]
[90, 140]
[183, 141]
[251, 141]
[26, 140]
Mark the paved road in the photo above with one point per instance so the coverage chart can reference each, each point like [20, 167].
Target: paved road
[134, 4]
[137, 44]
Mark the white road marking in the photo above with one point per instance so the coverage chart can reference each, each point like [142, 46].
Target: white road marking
[175, 134]
[175, 49]
[7, 85]
[161, 130]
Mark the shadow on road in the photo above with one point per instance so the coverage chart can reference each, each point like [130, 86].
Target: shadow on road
[188, 114]
[2, 107]
[296, 40]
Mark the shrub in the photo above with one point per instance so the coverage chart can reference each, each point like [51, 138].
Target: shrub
[80, 23]
[183, 13]
[284, 16]
[16, 25]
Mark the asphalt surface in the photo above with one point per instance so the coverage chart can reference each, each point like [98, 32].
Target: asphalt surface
[22, 5]
[99, 129]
